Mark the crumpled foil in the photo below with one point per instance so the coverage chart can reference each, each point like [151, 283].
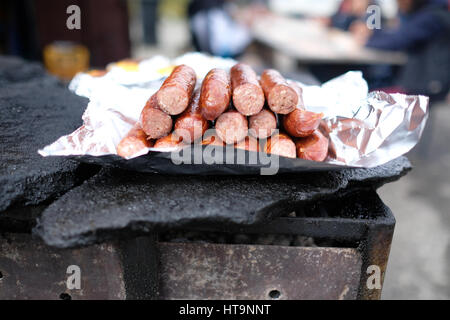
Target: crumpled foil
[365, 129]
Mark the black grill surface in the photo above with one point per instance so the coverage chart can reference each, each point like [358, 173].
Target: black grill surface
[35, 110]
[117, 201]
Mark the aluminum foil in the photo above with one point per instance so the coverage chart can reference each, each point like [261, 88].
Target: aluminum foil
[365, 129]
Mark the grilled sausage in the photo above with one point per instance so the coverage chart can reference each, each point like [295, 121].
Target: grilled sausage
[155, 122]
[215, 94]
[213, 140]
[282, 145]
[248, 97]
[176, 91]
[135, 141]
[232, 127]
[300, 123]
[191, 125]
[294, 85]
[281, 97]
[169, 142]
[263, 124]
[249, 144]
[313, 147]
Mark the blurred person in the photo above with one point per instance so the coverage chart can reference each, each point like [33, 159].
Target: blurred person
[214, 31]
[423, 32]
[349, 12]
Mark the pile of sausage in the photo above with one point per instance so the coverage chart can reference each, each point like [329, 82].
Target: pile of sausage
[242, 108]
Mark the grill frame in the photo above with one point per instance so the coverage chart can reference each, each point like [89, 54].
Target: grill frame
[137, 260]
[371, 235]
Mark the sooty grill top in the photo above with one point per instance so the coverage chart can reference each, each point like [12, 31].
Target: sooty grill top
[116, 201]
[36, 109]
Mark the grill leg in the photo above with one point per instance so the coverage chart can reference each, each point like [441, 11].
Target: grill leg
[375, 252]
[140, 263]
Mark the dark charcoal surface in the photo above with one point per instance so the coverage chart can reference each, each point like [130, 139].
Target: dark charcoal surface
[120, 202]
[35, 110]
[14, 70]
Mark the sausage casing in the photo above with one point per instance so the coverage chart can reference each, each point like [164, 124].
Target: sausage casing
[313, 147]
[281, 97]
[191, 125]
[263, 124]
[169, 142]
[248, 96]
[212, 139]
[294, 85]
[215, 94]
[155, 122]
[249, 144]
[175, 93]
[134, 142]
[282, 145]
[301, 123]
[232, 127]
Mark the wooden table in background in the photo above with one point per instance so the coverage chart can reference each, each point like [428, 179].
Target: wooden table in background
[310, 42]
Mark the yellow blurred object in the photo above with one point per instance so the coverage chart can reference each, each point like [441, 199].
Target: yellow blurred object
[174, 9]
[65, 59]
[129, 65]
[166, 71]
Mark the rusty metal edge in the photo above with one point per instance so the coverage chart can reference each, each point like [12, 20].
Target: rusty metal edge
[140, 262]
[375, 249]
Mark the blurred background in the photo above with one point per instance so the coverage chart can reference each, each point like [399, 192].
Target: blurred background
[399, 45]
